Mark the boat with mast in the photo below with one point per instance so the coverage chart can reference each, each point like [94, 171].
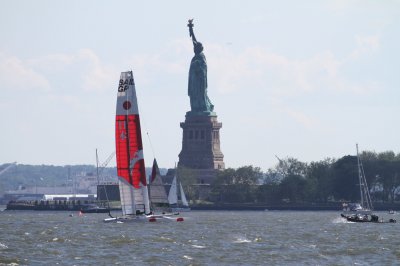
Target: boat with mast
[158, 194]
[98, 206]
[365, 204]
[362, 211]
[176, 197]
[132, 181]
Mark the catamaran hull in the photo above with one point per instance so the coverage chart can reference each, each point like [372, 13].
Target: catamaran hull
[125, 219]
[181, 209]
[144, 218]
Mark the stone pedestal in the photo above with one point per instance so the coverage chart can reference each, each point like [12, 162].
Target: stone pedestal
[201, 146]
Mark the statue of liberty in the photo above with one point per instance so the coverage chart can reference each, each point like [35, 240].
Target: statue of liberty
[197, 87]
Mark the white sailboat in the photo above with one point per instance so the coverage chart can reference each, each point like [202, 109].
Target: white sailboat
[362, 212]
[177, 199]
[365, 204]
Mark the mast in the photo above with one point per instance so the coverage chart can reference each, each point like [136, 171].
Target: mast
[97, 168]
[177, 182]
[366, 201]
[360, 182]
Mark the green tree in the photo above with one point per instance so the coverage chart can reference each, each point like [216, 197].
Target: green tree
[382, 172]
[345, 182]
[293, 184]
[293, 188]
[319, 180]
[236, 185]
[291, 166]
[268, 193]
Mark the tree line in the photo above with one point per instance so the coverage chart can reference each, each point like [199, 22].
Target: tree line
[290, 180]
[328, 180]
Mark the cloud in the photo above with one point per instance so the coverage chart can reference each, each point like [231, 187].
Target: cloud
[51, 62]
[83, 68]
[365, 45]
[254, 68]
[257, 68]
[341, 5]
[301, 118]
[172, 60]
[15, 74]
[98, 76]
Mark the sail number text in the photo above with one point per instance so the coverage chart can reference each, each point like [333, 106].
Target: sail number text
[124, 84]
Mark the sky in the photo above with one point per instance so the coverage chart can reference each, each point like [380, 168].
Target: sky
[304, 79]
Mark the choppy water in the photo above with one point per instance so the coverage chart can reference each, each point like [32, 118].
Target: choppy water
[205, 238]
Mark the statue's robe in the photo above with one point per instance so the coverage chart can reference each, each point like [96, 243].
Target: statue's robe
[197, 88]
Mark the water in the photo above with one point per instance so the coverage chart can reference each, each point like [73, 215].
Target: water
[205, 238]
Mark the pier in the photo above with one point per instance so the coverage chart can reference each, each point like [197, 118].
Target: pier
[56, 205]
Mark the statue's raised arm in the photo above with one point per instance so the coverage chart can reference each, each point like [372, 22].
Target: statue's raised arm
[191, 33]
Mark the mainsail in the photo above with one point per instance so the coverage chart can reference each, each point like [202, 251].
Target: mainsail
[129, 150]
[176, 194]
[158, 195]
[183, 197]
[173, 193]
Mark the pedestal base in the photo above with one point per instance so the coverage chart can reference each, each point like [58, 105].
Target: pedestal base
[201, 145]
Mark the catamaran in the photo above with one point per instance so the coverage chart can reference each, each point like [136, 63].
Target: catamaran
[134, 194]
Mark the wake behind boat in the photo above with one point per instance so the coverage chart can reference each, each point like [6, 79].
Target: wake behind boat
[134, 194]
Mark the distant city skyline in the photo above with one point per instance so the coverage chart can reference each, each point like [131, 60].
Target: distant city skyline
[302, 79]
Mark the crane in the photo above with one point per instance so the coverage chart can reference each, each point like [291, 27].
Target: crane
[100, 168]
[7, 167]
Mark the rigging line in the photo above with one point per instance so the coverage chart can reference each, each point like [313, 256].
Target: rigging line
[145, 128]
[143, 121]
[151, 145]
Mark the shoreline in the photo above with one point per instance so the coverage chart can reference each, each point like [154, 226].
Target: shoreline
[74, 206]
[288, 207]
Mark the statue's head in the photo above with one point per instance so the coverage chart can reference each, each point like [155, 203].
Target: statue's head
[198, 48]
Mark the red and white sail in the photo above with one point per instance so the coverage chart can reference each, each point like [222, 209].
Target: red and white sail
[129, 149]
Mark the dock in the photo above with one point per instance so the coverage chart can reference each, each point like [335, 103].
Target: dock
[57, 205]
